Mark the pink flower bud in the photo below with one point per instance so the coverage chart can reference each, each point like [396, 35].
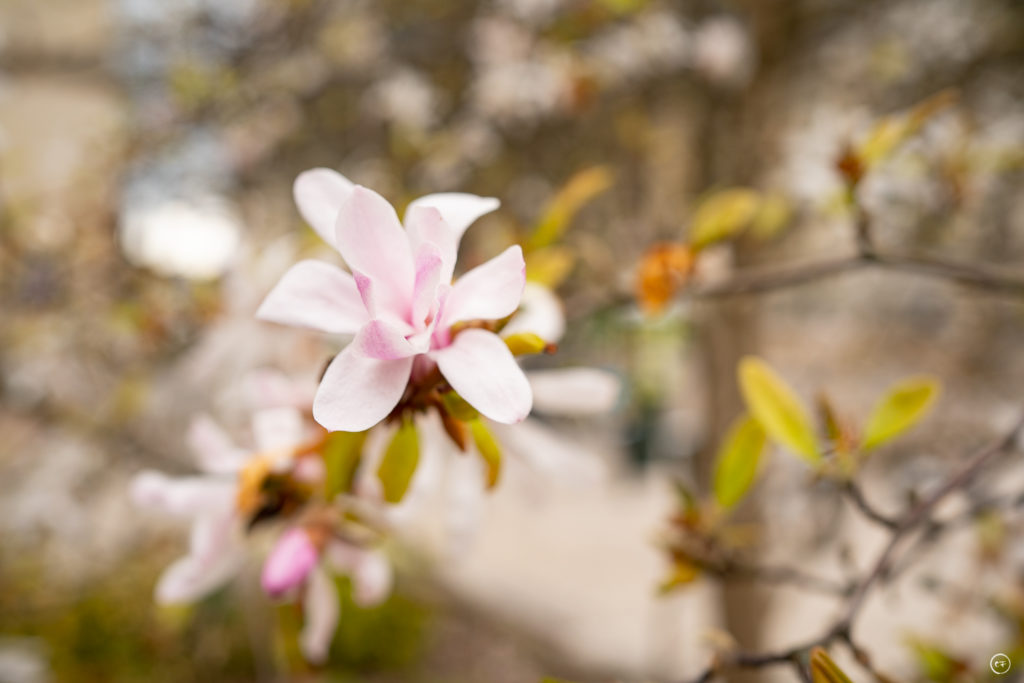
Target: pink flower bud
[290, 561]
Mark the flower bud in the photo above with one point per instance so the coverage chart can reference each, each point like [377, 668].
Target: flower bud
[290, 561]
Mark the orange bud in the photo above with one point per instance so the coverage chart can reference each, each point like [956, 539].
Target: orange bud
[663, 271]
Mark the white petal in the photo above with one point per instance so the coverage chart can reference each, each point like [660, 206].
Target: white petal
[316, 295]
[321, 611]
[429, 265]
[373, 242]
[426, 225]
[371, 579]
[574, 391]
[458, 209]
[547, 452]
[277, 428]
[540, 312]
[182, 496]
[213, 448]
[483, 371]
[464, 501]
[382, 341]
[490, 291]
[357, 391]
[215, 555]
[270, 388]
[319, 194]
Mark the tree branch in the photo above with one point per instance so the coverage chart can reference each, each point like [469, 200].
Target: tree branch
[856, 496]
[901, 529]
[759, 282]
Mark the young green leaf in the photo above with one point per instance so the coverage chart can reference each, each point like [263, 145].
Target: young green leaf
[824, 670]
[458, 407]
[563, 207]
[899, 410]
[400, 461]
[683, 572]
[489, 450]
[737, 460]
[342, 451]
[772, 403]
[525, 343]
[723, 215]
[549, 266]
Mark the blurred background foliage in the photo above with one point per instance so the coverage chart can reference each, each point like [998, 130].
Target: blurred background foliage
[147, 151]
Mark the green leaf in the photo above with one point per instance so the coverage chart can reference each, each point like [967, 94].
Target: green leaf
[458, 407]
[934, 663]
[525, 343]
[722, 215]
[737, 459]
[574, 195]
[773, 215]
[489, 450]
[400, 461]
[776, 406]
[341, 451]
[549, 266]
[683, 572]
[900, 409]
[824, 670]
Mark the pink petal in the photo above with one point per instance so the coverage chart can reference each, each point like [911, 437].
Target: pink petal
[373, 242]
[540, 312]
[214, 450]
[458, 209]
[357, 391]
[482, 370]
[429, 264]
[320, 610]
[425, 225]
[319, 194]
[364, 286]
[490, 291]
[290, 561]
[317, 295]
[382, 341]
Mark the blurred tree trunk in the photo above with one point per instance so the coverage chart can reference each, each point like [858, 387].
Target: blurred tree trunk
[727, 329]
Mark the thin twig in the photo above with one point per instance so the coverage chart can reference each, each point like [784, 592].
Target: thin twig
[761, 282]
[860, 502]
[909, 522]
[789, 576]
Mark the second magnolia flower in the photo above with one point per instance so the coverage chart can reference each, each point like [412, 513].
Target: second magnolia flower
[401, 304]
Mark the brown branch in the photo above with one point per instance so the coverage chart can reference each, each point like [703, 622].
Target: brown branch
[761, 282]
[856, 496]
[906, 525]
[790, 576]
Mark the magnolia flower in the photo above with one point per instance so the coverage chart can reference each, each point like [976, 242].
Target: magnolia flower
[220, 502]
[400, 303]
[455, 481]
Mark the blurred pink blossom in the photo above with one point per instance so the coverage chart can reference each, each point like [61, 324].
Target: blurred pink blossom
[289, 563]
[211, 500]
